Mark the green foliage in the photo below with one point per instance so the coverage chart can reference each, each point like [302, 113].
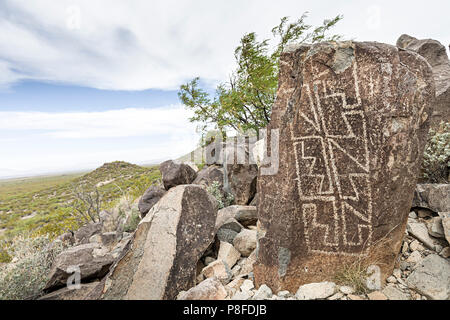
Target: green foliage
[436, 159]
[224, 199]
[26, 275]
[245, 101]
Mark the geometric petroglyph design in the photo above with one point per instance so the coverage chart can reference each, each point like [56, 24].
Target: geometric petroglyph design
[329, 140]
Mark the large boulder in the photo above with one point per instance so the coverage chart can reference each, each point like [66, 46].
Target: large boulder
[435, 197]
[166, 247]
[436, 55]
[92, 261]
[242, 179]
[150, 198]
[431, 278]
[352, 121]
[175, 173]
[208, 175]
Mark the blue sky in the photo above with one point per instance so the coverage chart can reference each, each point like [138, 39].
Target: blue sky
[84, 82]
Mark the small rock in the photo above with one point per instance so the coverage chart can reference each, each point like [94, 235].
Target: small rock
[313, 291]
[209, 289]
[416, 246]
[354, 297]
[414, 257]
[376, 295]
[435, 227]
[424, 213]
[392, 293]
[391, 279]
[264, 292]
[445, 216]
[236, 283]
[405, 248]
[242, 295]
[175, 173]
[346, 290]
[247, 285]
[218, 269]
[336, 296]
[397, 273]
[236, 270]
[284, 294]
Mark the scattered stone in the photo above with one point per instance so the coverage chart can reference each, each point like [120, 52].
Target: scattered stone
[392, 293]
[228, 254]
[416, 246]
[346, 289]
[435, 227]
[284, 294]
[405, 247]
[242, 295]
[321, 142]
[236, 283]
[414, 258]
[83, 235]
[314, 291]
[218, 269]
[209, 289]
[431, 278]
[167, 245]
[175, 173]
[376, 295]
[336, 296]
[354, 297]
[151, 196]
[419, 231]
[263, 293]
[391, 279]
[247, 285]
[247, 265]
[245, 242]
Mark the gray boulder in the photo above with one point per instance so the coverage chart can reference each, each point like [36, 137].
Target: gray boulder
[83, 234]
[431, 278]
[166, 247]
[175, 173]
[435, 197]
[91, 265]
[150, 197]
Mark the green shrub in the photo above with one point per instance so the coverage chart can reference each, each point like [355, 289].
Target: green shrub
[224, 199]
[436, 159]
[133, 221]
[27, 273]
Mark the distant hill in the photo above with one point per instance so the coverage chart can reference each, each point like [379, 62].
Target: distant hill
[41, 205]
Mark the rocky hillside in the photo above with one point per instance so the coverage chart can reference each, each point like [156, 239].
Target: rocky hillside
[45, 210]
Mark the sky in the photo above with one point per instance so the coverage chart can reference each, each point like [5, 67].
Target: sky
[84, 82]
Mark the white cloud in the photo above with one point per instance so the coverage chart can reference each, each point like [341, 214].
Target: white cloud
[41, 142]
[140, 44]
[167, 121]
